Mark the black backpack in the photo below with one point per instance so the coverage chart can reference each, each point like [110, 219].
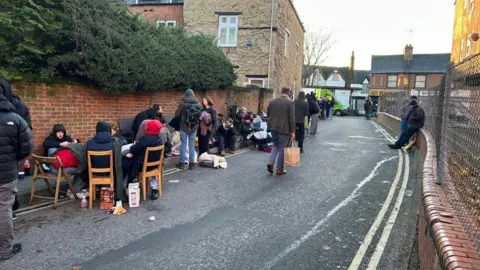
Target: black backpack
[192, 113]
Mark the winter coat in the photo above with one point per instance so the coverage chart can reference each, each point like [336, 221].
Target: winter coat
[148, 114]
[20, 108]
[405, 111]
[368, 105]
[188, 99]
[52, 141]
[16, 141]
[416, 117]
[281, 115]
[103, 141]
[313, 107]
[301, 108]
[139, 149]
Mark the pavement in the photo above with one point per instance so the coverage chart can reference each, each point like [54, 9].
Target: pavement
[325, 214]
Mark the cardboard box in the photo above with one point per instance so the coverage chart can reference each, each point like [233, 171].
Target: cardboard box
[133, 195]
[107, 198]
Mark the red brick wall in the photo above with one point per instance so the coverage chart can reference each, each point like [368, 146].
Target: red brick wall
[154, 13]
[79, 108]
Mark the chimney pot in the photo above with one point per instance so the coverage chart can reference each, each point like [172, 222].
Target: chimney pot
[408, 52]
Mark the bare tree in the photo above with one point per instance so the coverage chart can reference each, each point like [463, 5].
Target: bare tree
[317, 46]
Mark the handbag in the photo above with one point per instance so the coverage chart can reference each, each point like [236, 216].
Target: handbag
[292, 154]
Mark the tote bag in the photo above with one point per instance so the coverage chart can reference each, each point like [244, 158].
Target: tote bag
[292, 154]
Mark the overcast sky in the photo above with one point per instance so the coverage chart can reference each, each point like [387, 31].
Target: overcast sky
[375, 27]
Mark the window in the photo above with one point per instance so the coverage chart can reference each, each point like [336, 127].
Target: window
[260, 82]
[420, 81]
[467, 49]
[472, 5]
[392, 81]
[227, 31]
[461, 49]
[465, 7]
[287, 42]
[336, 77]
[296, 53]
[167, 23]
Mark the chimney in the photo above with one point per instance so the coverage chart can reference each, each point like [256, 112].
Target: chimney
[351, 70]
[408, 53]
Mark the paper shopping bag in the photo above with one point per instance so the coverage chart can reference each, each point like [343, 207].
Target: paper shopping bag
[292, 154]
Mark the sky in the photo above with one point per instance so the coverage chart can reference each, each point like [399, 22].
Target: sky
[379, 27]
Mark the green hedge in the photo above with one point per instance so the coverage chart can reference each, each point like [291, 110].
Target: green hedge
[100, 43]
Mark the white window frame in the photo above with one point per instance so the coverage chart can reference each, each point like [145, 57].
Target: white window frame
[257, 79]
[389, 80]
[227, 26]
[287, 42]
[423, 82]
[468, 47]
[165, 23]
[334, 75]
[472, 4]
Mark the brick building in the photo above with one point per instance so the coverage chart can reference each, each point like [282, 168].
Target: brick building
[406, 72]
[263, 39]
[467, 21]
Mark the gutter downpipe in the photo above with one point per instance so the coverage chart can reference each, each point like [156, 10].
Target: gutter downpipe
[270, 47]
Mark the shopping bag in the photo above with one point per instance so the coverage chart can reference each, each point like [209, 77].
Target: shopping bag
[292, 154]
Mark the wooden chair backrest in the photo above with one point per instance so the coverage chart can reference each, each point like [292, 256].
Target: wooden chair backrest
[158, 163]
[39, 160]
[100, 154]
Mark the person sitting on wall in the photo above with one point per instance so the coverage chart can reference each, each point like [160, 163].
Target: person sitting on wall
[56, 140]
[416, 121]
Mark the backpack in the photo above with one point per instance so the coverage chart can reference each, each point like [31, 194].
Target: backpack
[191, 112]
[207, 119]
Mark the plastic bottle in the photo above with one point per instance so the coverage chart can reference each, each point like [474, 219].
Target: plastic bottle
[26, 168]
[83, 203]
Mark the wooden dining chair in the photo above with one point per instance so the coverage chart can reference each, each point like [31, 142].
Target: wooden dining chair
[148, 172]
[99, 176]
[61, 176]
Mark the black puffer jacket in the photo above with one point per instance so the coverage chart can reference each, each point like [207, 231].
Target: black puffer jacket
[103, 141]
[52, 141]
[20, 108]
[148, 114]
[16, 141]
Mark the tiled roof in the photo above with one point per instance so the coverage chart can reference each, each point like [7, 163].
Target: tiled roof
[327, 71]
[421, 63]
[360, 75]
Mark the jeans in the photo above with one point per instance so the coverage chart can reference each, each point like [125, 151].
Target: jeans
[280, 141]
[190, 139]
[330, 112]
[7, 199]
[403, 125]
[300, 134]
[405, 136]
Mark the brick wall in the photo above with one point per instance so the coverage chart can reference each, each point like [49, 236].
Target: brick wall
[79, 108]
[165, 12]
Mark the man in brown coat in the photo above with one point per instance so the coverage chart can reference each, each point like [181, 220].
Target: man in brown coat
[281, 123]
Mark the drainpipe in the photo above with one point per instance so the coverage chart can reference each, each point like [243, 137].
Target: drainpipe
[270, 47]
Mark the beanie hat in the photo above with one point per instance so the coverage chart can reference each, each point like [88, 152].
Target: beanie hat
[413, 102]
[153, 127]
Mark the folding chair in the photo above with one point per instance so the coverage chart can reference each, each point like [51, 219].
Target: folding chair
[157, 171]
[99, 176]
[61, 176]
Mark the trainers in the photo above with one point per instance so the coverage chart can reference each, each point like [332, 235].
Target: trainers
[154, 194]
[45, 167]
[393, 146]
[281, 172]
[16, 249]
[180, 166]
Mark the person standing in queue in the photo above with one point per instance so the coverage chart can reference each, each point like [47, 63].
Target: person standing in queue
[301, 112]
[281, 123]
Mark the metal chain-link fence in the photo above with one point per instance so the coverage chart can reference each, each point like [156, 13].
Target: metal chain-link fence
[452, 112]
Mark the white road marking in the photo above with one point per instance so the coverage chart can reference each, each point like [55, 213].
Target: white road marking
[366, 138]
[338, 149]
[357, 260]
[375, 259]
[316, 229]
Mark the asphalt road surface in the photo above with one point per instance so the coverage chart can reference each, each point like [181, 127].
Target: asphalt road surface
[351, 205]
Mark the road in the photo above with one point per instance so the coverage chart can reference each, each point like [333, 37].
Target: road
[326, 214]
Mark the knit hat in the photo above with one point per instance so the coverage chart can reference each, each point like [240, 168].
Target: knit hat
[153, 127]
[413, 102]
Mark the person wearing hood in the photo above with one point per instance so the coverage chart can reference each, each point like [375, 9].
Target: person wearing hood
[16, 143]
[154, 112]
[20, 108]
[416, 120]
[151, 138]
[56, 140]
[102, 141]
[189, 112]
[301, 112]
[313, 111]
